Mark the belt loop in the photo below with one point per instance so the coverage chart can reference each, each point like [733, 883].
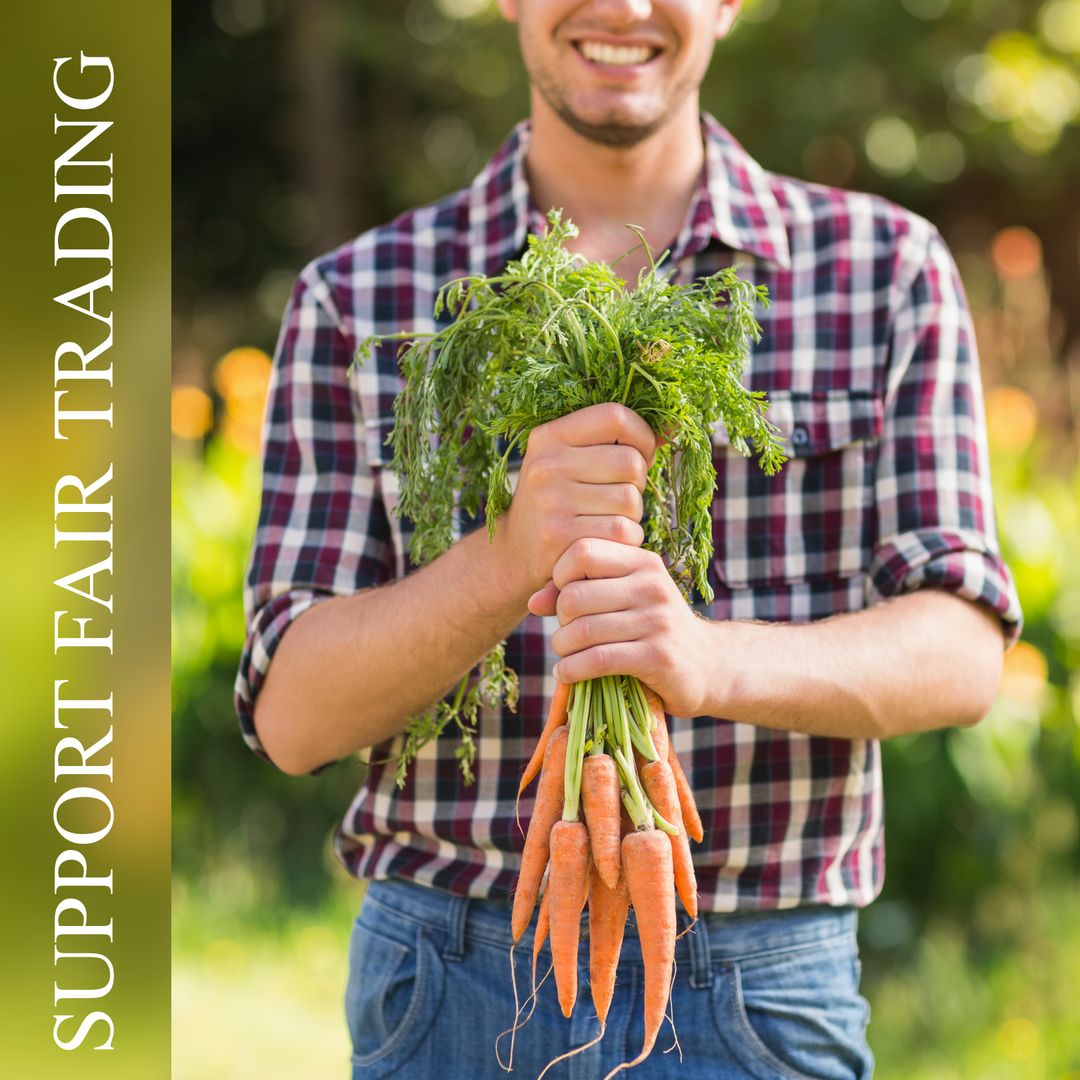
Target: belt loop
[697, 939]
[456, 914]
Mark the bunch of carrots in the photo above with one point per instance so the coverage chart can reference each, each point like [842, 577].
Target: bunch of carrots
[550, 334]
[611, 825]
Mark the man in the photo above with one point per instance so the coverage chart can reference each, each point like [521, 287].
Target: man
[859, 594]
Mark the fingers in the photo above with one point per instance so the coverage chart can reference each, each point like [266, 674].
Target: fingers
[594, 597]
[622, 658]
[544, 601]
[610, 464]
[595, 557]
[594, 466]
[588, 631]
[607, 423]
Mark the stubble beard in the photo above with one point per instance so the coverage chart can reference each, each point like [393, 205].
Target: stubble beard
[609, 133]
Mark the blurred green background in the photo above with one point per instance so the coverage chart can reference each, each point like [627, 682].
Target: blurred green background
[299, 123]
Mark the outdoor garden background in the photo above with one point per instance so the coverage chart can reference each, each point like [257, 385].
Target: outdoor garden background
[299, 123]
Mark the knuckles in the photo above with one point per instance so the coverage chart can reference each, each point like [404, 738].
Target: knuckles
[568, 605]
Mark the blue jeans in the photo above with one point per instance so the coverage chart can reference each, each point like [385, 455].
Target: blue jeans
[770, 996]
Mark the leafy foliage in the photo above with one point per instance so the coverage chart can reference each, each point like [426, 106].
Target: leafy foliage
[552, 334]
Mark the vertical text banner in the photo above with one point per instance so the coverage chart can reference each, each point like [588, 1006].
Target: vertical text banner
[84, 631]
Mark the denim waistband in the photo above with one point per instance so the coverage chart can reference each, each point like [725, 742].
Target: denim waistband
[713, 939]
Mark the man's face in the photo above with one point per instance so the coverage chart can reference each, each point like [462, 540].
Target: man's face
[616, 70]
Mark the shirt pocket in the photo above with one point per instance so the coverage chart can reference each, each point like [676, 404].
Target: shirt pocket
[814, 519]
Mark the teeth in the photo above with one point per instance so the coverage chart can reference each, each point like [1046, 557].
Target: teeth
[616, 55]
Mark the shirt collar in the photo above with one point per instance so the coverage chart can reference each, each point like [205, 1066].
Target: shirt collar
[734, 204]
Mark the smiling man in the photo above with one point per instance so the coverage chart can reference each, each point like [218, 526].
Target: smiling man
[859, 594]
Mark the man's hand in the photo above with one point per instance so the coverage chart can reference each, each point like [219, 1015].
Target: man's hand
[582, 476]
[920, 661]
[621, 614]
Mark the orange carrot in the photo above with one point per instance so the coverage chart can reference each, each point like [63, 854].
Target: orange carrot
[568, 888]
[662, 741]
[659, 730]
[546, 811]
[607, 922]
[659, 784]
[543, 924]
[602, 804]
[690, 816]
[646, 860]
[556, 718]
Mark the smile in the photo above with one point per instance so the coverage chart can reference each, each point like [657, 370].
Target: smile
[616, 55]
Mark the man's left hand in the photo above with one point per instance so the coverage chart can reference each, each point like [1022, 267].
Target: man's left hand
[621, 614]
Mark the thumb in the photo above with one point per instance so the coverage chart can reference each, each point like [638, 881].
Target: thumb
[542, 602]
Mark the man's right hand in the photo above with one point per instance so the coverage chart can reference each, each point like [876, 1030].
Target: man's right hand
[582, 476]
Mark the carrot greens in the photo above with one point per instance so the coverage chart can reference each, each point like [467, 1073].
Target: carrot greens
[551, 334]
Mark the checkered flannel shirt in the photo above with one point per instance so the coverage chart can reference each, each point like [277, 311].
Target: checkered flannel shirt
[868, 358]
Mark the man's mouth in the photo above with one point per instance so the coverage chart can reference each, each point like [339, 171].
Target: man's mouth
[601, 52]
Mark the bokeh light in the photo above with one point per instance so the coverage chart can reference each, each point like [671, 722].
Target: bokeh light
[1024, 675]
[1012, 418]
[940, 156]
[1059, 24]
[241, 378]
[1016, 252]
[891, 146]
[192, 412]
[464, 9]
[1018, 1038]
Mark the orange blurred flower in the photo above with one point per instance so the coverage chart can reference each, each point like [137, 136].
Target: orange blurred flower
[241, 377]
[192, 412]
[1024, 676]
[1016, 252]
[1012, 418]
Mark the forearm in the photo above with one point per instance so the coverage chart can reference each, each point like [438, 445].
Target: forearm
[351, 670]
[922, 661]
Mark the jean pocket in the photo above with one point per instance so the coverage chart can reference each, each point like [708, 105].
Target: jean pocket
[796, 1015]
[393, 993]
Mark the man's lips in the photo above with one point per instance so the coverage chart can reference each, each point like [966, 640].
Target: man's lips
[616, 54]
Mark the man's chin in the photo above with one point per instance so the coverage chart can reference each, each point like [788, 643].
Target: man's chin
[618, 134]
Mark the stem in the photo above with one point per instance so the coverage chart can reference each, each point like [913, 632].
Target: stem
[637, 806]
[645, 719]
[606, 325]
[575, 745]
[462, 687]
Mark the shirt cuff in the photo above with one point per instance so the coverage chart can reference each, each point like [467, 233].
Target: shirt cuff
[959, 561]
[267, 628]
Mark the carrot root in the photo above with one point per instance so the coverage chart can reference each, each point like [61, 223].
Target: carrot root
[556, 718]
[690, 816]
[647, 864]
[662, 741]
[568, 888]
[607, 924]
[602, 805]
[546, 811]
[659, 785]
[572, 1053]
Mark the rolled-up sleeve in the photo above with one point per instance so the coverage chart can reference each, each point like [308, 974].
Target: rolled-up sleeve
[323, 529]
[934, 506]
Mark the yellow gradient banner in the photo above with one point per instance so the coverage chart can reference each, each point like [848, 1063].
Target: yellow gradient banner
[84, 634]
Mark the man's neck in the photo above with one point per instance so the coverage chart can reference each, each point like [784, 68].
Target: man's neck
[602, 189]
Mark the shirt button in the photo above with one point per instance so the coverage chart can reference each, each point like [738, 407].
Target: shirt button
[800, 436]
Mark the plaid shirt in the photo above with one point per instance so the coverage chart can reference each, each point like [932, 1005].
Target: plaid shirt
[868, 358]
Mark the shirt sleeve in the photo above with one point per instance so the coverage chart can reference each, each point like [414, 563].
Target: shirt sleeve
[323, 529]
[934, 505]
